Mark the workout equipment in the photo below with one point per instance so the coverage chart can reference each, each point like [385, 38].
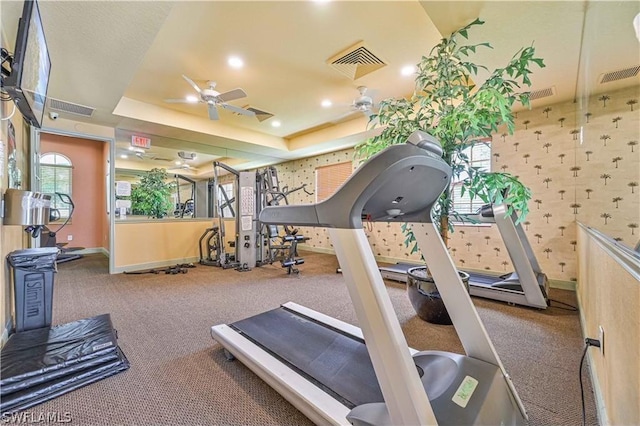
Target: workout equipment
[214, 237]
[255, 244]
[323, 366]
[397, 272]
[273, 246]
[48, 237]
[181, 268]
[527, 286]
[188, 207]
[42, 364]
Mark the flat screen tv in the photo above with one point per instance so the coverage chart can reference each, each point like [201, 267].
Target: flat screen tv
[29, 79]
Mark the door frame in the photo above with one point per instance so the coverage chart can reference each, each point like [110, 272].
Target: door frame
[34, 181]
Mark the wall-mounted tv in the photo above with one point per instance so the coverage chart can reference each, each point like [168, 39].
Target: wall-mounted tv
[29, 79]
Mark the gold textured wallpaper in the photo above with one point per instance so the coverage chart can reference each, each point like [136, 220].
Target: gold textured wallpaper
[580, 162]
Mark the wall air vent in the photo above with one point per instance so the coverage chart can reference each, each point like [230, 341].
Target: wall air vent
[71, 108]
[260, 115]
[542, 93]
[619, 75]
[356, 61]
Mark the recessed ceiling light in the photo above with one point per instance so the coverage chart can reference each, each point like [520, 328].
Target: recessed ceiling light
[192, 99]
[408, 70]
[235, 62]
[326, 103]
[125, 156]
[131, 148]
[276, 123]
[177, 163]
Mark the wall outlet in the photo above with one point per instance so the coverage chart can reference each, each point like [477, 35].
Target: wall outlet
[601, 338]
[69, 237]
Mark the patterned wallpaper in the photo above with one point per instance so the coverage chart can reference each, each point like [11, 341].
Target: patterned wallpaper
[580, 164]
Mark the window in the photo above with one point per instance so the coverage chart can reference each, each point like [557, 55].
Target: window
[329, 178]
[479, 156]
[55, 176]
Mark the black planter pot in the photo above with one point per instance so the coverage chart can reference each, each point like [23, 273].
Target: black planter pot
[425, 297]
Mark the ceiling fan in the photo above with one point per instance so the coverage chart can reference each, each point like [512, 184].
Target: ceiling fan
[141, 154]
[215, 99]
[184, 166]
[364, 103]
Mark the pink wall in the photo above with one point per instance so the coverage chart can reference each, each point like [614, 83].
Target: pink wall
[88, 187]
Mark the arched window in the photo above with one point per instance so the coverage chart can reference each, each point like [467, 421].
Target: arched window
[55, 176]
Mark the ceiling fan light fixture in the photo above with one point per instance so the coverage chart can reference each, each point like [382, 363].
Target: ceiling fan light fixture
[187, 155]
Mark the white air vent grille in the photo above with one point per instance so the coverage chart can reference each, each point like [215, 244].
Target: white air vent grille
[356, 61]
[542, 93]
[65, 106]
[620, 74]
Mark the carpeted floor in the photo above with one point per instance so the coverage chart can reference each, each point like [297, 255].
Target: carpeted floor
[179, 375]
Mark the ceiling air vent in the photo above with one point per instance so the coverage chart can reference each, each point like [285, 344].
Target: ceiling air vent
[542, 93]
[356, 61]
[65, 106]
[620, 74]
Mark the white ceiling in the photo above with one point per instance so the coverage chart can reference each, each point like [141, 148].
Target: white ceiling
[125, 57]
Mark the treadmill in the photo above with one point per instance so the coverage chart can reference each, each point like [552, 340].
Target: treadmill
[527, 286]
[339, 374]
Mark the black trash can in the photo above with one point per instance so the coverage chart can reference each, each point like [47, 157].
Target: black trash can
[32, 272]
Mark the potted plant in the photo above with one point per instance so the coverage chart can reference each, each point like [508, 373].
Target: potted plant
[447, 104]
[151, 196]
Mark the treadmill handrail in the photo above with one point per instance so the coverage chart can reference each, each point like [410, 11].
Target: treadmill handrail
[382, 189]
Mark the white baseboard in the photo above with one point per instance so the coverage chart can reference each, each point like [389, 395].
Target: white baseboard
[153, 265]
[563, 285]
[601, 409]
[92, 250]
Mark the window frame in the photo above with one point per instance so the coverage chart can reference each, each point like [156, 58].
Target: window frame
[67, 166]
[468, 206]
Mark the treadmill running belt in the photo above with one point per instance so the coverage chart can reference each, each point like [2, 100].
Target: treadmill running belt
[475, 278]
[338, 364]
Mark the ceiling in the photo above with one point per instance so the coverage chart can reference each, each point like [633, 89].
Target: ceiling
[124, 58]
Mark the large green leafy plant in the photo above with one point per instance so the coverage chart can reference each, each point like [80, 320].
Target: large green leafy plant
[448, 105]
[151, 197]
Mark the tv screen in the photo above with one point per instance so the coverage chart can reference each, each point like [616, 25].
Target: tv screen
[31, 66]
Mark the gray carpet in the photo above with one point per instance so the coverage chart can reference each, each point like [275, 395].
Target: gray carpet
[179, 375]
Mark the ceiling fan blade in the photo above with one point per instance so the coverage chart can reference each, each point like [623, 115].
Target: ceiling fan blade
[177, 101]
[231, 95]
[195, 86]
[238, 110]
[213, 112]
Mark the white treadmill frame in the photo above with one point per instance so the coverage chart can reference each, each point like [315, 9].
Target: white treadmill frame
[404, 394]
[524, 261]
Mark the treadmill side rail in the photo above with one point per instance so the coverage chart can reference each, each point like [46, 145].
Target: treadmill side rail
[312, 401]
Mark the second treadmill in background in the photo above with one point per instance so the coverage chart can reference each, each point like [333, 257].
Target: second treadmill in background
[527, 286]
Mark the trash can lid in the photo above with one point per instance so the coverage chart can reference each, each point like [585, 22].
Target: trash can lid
[38, 257]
